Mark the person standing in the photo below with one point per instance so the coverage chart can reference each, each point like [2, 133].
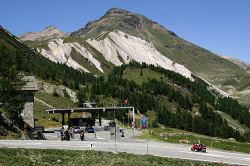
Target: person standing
[71, 131]
[62, 133]
[82, 135]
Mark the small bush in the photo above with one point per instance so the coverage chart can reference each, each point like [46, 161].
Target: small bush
[55, 94]
[55, 119]
[155, 124]
[65, 93]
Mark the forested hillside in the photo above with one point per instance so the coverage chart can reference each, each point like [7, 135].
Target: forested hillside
[176, 100]
[17, 60]
[29, 61]
[194, 106]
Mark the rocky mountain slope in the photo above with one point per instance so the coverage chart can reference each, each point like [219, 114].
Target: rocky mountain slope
[238, 62]
[119, 47]
[248, 70]
[116, 48]
[120, 36]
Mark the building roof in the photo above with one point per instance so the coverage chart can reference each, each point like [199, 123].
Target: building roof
[86, 109]
[30, 83]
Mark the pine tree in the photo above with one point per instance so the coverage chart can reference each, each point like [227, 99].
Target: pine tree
[82, 97]
[12, 97]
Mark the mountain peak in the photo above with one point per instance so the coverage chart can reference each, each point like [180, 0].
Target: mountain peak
[49, 32]
[117, 11]
[119, 19]
[50, 27]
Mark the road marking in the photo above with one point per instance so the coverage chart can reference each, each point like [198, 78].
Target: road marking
[186, 158]
[221, 156]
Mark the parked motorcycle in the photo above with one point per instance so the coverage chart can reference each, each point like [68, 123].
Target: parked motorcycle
[65, 135]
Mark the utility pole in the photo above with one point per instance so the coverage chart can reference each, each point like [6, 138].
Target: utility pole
[147, 146]
[115, 138]
[133, 122]
[115, 130]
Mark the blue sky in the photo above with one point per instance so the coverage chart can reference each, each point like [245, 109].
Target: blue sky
[221, 26]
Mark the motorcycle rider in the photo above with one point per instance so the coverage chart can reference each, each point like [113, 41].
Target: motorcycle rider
[67, 134]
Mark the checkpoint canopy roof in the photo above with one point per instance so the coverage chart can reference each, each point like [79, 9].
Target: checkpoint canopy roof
[87, 109]
[68, 111]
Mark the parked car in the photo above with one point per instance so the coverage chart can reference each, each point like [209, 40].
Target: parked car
[77, 129]
[89, 129]
[112, 124]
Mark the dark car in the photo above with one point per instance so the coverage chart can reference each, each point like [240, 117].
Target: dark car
[199, 148]
[112, 124]
[89, 129]
[77, 129]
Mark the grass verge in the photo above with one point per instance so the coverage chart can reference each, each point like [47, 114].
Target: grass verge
[13, 157]
[177, 136]
[43, 118]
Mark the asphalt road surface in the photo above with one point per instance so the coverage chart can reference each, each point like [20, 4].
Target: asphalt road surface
[134, 146]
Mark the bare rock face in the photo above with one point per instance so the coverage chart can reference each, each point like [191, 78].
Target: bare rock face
[119, 47]
[7, 126]
[60, 90]
[49, 32]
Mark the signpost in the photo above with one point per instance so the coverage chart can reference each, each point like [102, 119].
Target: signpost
[147, 146]
[133, 127]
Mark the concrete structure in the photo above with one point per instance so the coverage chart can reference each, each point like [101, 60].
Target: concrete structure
[98, 110]
[89, 104]
[29, 90]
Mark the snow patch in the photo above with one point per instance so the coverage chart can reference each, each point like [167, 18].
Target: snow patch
[119, 45]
